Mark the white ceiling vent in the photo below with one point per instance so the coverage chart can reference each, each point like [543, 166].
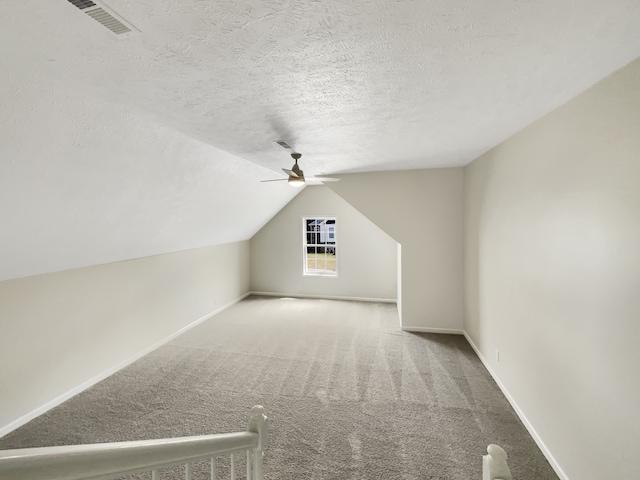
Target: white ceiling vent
[105, 16]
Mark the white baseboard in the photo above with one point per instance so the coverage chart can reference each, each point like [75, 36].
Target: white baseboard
[541, 445]
[326, 297]
[98, 378]
[432, 330]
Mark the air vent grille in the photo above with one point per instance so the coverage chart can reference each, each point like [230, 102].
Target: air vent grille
[108, 20]
[82, 4]
[283, 144]
[105, 16]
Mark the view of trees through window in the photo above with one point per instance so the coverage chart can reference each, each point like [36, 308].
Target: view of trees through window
[320, 246]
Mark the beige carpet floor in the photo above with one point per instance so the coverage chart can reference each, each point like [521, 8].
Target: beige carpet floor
[349, 396]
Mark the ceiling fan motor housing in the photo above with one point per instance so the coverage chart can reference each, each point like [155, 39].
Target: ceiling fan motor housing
[297, 171]
[296, 168]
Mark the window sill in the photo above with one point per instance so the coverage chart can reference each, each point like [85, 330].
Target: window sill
[320, 274]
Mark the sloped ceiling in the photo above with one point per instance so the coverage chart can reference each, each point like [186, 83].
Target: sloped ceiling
[116, 148]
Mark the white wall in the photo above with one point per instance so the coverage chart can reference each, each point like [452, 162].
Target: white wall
[366, 255]
[423, 211]
[552, 253]
[62, 331]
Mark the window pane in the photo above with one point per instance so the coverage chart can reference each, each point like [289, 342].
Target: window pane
[319, 238]
[331, 262]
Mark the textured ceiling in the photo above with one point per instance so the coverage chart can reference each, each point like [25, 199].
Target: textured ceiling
[116, 148]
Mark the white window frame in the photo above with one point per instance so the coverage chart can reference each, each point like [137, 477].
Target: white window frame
[316, 272]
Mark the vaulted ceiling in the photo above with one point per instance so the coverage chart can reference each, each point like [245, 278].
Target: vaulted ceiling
[121, 147]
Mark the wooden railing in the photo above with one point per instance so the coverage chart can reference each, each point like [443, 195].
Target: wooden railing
[110, 460]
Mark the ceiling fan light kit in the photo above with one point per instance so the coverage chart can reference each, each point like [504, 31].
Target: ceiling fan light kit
[296, 182]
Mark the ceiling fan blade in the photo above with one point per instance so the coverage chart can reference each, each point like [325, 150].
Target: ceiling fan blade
[325, 179]
[291, 173]
[276, 180]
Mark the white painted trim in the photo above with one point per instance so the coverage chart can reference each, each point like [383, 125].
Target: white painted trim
[431, 330]
[541, 445]
[98, 378]
[326, 297]
[399, 280]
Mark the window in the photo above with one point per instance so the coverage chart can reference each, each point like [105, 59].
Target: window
[320, 246]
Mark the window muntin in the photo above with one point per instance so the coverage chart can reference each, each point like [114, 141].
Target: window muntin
[320, 246]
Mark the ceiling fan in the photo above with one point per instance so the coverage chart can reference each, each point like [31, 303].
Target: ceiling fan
[296, 176]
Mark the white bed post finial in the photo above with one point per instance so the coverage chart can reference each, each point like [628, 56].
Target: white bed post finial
[494, 465]
[258, 424]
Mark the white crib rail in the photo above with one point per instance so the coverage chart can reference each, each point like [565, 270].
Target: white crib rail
[494, 464]
[111, 460]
